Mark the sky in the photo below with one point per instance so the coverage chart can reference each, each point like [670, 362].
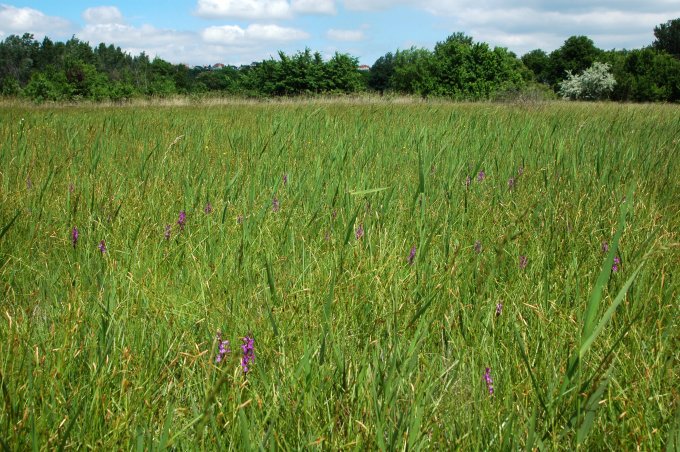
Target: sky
[202, 32]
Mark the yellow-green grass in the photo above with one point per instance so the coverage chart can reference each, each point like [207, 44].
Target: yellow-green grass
[355, 347]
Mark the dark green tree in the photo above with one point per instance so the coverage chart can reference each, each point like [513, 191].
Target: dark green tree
[380, 75]
[341, 74]
[468, 70]
[413, 72]
[577, 54]
[668, 37]
[18, 55]
[538, 62]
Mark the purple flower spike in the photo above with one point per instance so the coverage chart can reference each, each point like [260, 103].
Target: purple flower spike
[511, 183]
[605, 247]
[74, 236]
[223, 348]
[523, 261]
[481, 176]
[615, 267]
[208, 208]
[182, 220]
[488, 380]
[275, 204]
[285, 180]
[478, 247]
[468, 180]
[166, 234]
[499, 309]
[412, 255]
[239, 219]
[248, 349]
[102, 247]
[359, 232]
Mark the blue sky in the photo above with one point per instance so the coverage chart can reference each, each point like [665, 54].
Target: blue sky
[241, 31]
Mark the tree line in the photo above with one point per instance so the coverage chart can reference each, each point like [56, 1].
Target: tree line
[457, 68]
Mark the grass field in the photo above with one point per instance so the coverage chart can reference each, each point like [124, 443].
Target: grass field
[391, 303]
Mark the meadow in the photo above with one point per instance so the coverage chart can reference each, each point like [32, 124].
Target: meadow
[407, 275]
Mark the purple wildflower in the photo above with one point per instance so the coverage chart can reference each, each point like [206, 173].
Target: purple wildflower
[223, 348]
[208, 208]
[359, 232]
[412, 255]
[523, 261]
[615, 267]
[334, 214]
[182, 220]
[467, 182]
[511, 183]
[499, 309]
[74, 236]
[481, 176]
[239, 219]
[478, 247]
[166, 234]
[285, 180]
[275, 205]
[605, 247]
[488, 380]
[248, 349]
[102, 247]
[71, 188]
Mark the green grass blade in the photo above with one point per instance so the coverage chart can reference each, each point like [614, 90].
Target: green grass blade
[593, 305]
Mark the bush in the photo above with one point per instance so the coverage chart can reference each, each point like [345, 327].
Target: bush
[594, 83]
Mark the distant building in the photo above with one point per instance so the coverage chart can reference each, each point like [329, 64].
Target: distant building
[217, 66]
[364, 68]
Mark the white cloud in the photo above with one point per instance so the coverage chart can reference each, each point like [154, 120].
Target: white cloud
[522, 25]
[377, 5]
[127, 36]
[229, 44]
[244, 9]
[523, 29]
[15, 20]
[314, 6]
[345, 35]
[233, 34]
[103, 15]
[171, 45]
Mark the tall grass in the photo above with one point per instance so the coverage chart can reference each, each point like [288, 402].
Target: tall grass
[356, 347]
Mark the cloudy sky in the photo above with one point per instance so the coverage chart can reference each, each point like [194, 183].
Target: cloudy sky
[241, 31]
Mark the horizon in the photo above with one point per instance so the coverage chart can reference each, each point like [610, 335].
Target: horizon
[240, 32]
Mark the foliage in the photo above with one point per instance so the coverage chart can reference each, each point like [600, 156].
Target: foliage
[413, 72]
[381, 73]
[577, 54]
[341, 75]
[642, 75]
[538, 62]
[467, 70]
[595, 83]
[668, 37]
[457, 68]
[645, 75]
